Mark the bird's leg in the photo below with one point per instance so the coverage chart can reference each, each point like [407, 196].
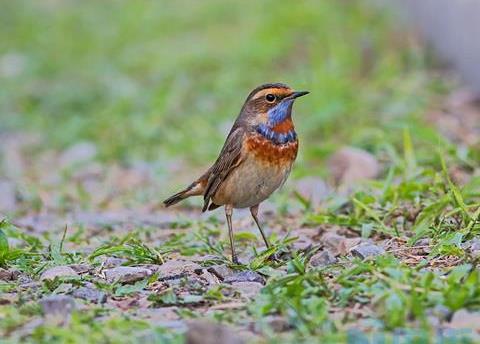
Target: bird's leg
[228, 214]
[254, 212]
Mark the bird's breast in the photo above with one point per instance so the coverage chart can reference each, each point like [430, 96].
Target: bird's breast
[270, 152]
[264, 168]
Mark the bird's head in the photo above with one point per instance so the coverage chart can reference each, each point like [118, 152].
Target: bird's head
[269, 105]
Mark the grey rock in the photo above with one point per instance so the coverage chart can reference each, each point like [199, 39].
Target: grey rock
[176, 325]
[221, 271]
[79, 153]
[440, 312]
[245, 276]
[350, 165]
[424, 244]
[126, 274]
[303, 243]
[58, 271]
[12, 65]
[40, 223]
[156, 315]
[81, 268]
[464, 319]
[247, 289]
[323, 258]
[208, 277]
[57, 305]
[5, 275]
[177, 268]
[313, 189]
[334, 242]
[367, 250]
[203, 332]
[8, 198]
[277, 323]
[472, 247]
[90, 294]
[113, 262]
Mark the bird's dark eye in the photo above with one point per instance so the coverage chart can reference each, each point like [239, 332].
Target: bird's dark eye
[270, 98]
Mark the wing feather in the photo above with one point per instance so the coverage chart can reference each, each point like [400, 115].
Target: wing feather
[230, 157]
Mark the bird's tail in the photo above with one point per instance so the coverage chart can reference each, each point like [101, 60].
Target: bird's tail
[197, 188]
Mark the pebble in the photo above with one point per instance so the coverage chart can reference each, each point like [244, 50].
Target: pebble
[201, 332]
[323, 258]
[57, 305]
[247, 289]
[367, 250]
[90, 294]
[221, 271]
[5, 275]
[350, 165]
[175, 268]
[245, 276]
[126, 274]
[58, 271]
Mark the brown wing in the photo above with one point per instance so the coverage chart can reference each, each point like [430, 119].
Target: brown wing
[229, 158]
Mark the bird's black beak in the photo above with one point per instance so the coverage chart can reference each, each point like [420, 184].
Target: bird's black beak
[299, 94]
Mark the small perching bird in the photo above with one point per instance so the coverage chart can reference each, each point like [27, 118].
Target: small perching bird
[255, 160]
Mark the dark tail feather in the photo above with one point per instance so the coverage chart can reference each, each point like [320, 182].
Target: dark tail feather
[195, 189]
[175, 198]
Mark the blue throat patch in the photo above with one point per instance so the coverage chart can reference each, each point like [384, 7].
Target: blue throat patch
[277, 115]
[280, 112]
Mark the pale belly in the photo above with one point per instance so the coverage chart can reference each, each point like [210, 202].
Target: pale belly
[251, 183]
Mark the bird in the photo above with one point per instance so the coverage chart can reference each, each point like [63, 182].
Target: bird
[256, 158]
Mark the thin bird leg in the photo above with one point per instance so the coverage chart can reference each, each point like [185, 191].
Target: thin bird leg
[228, 214]
[254, 212]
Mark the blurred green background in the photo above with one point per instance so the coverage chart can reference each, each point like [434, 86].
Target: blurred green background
[164, 80]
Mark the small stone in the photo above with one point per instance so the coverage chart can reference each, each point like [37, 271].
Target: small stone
[245, 276]
[90, 294]
[335, 243]
[5, 275]
[126, 274]
[303, 243]
[277, 323]
[156, 315]
[202, 332]
[323, 258]
[210, 278]
[58, 307]
[58, 271]
[424, 245]
[422, 242]
[81, 268]
[367, 250]
[113, 262]
[79, 153]
[440, 312]
[247, 289]
[313, 189]
[472, 247]
[463, 319]
[177, 268]
[221, 271]
[350, 165]
[175, 325]
[8, 198]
